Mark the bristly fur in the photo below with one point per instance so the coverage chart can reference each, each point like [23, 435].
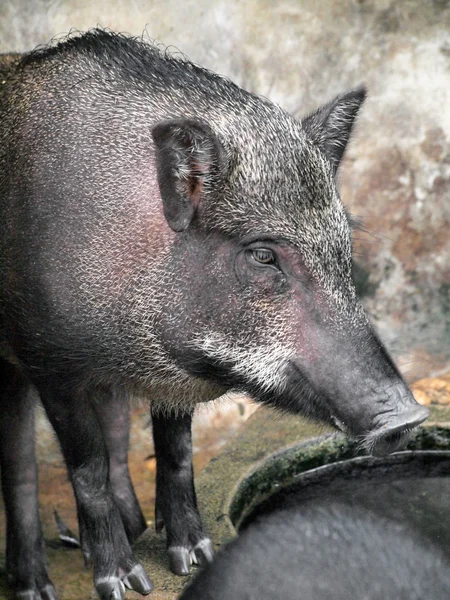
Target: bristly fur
[287, 192]
[137, 194]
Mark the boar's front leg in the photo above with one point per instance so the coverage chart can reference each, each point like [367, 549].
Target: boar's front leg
[74, 419]
[113, 412]
[25, 550]
[176, 503]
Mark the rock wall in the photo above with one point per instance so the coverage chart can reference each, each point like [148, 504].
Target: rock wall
[396, 176]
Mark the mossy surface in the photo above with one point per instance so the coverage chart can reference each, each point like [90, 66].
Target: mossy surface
[283, 468]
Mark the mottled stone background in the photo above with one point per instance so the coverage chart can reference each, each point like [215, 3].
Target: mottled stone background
[396, 176]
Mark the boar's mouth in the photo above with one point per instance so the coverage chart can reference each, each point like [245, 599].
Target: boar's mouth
[393, 435]
[395, 432]
[390, 430]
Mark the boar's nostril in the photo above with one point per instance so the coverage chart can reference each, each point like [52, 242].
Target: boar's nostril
[394, 434]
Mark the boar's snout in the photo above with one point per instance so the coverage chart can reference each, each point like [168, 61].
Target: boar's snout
[393, 434]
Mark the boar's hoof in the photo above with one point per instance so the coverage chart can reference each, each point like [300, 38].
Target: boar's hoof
[46, 593]
[49, 593]
[113, 588]
[138, 580]
[110, 588]
[203, 552]
[180, 560]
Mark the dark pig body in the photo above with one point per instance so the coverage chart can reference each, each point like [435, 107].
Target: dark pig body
[167, 234]
[337, 552]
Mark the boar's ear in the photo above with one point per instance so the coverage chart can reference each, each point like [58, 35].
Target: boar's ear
[330, 126]
[189, 160]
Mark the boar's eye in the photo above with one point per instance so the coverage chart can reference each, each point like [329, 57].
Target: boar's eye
[263, 256]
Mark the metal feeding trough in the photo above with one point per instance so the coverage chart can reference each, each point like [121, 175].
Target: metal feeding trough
[372, 528]
[317, 522]
[401, 486]
[409, 488]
